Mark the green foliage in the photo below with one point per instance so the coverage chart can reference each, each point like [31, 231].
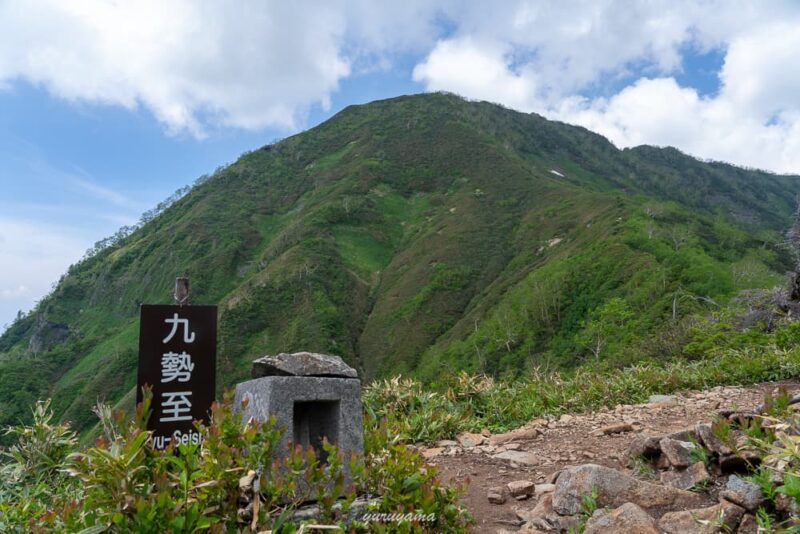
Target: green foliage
[791, 487]
[763, 478]
[588, 508]
[721, 428]
[40, 449]
[122, 484]
[611, 324]
[34, 486]
[698, 453]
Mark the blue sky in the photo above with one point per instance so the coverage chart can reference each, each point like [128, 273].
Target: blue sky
[107, 108]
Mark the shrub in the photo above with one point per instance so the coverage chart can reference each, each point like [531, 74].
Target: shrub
[123, 484]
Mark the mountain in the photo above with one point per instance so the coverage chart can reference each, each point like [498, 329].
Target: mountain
[422, 235]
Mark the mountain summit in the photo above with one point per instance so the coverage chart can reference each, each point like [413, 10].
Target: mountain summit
[422, 234]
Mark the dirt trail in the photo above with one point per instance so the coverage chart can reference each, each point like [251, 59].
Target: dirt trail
[546, 446]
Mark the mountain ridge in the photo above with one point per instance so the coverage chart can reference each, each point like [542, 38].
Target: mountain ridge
[420, 234]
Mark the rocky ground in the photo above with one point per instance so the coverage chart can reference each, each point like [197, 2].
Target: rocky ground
[533, 479]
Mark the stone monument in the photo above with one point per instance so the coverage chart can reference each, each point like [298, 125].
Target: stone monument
[312, 396]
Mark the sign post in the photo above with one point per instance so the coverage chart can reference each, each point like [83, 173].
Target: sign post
[177, 358]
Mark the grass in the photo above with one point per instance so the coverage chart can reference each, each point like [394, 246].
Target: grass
[473, 402]
[361, 250]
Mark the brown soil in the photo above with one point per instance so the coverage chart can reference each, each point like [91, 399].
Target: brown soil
[569, 441]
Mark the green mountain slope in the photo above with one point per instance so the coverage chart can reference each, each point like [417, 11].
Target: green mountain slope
[421, 234]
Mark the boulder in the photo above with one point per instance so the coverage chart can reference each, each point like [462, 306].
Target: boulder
[431, 452]
[520, 488]
[748, 525]
[544, 517]
[520, 457]
[722, 517]
[744, 493]
[615, 489]
[544, 488]
[677, 452]
[627, 519]
[524, 433]
[695, 475]
[711, 442]
[469, 439]
[687, 434]
[787, 505]
[302, 364]
[644, 445]
[496, 495]
[616, 428]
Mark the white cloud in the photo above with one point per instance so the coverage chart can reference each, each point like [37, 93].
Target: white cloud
[34, 255]
[244, 64]
[545, 57]
[253, 64]
[478, 70]
[194, 64]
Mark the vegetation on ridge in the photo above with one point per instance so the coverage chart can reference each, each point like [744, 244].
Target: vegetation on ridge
[421, 235]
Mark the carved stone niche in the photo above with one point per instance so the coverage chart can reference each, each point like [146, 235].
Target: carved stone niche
[312, 396]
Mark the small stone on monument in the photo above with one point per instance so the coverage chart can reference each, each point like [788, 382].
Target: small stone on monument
[302, 364]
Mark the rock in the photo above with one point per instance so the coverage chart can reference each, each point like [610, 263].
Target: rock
[544, 517]
[433, 452]
[627, 519]
[644, 445]
[688, 478]
[662, 463]
[521, 457]
[496, 495]
[668, 400]
[617, 428]
[787, 505]
[469, 439]
[519, 488]
[677, 452]
[748, 525]
[711, 442]
[544, 488]
[512, 446]
[302, 364]
[743, 493]
[518, 434]
[687, 434]
[446, 443]
[566, 418]
[703, 520]
[615, 489]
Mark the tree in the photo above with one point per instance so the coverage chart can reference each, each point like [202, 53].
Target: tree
[609, 324]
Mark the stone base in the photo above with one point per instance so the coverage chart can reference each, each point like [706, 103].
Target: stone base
[308, 408]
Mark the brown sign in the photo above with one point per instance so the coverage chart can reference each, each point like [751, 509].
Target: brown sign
[177, 358]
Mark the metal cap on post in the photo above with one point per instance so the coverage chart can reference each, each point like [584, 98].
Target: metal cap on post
[181, 293]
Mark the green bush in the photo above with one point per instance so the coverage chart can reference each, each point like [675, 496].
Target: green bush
[122, 484]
